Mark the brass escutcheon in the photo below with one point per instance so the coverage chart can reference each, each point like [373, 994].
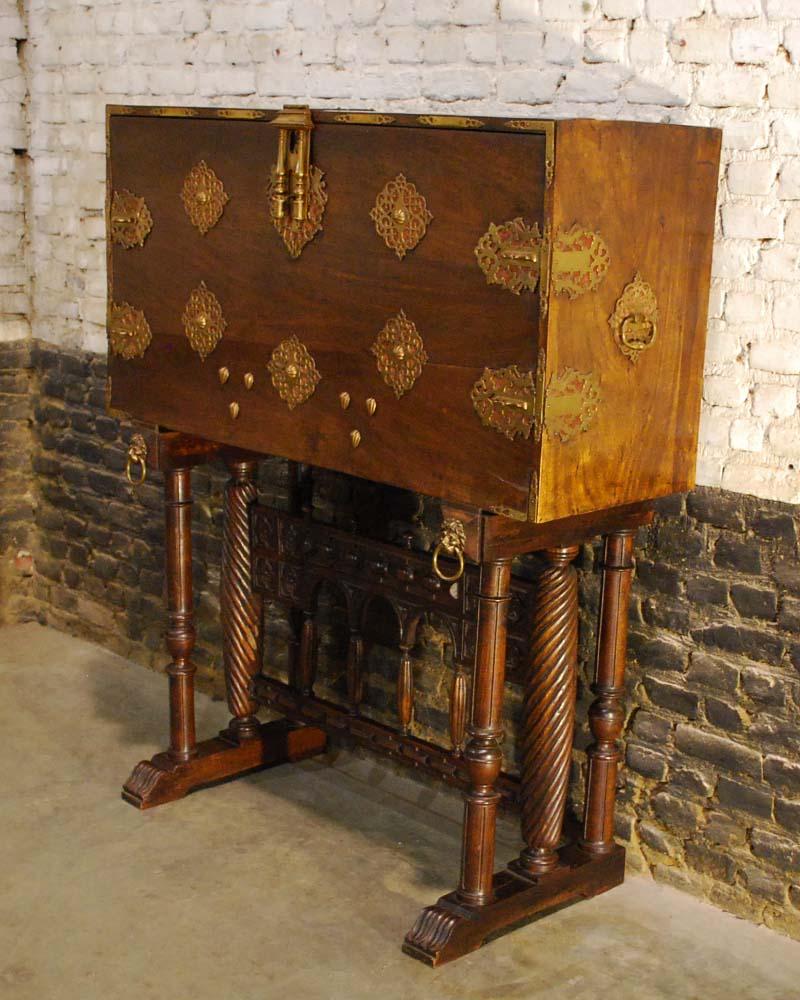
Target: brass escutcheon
[634, 321]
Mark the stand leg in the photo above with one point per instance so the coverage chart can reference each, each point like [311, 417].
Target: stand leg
[240, 608]
[549, 712]
[246, 745]
[482, 753]
[545, 877]
[180, 612]
[606, 716]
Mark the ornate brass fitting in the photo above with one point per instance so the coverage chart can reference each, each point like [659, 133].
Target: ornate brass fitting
[452, 541]
[136, 458]
[290, 179]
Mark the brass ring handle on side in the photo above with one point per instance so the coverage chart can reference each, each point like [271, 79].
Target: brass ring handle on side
[137, 457]
[456, 554]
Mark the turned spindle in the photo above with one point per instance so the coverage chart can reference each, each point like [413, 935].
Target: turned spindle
[240, 608]
[482, 754]
[606, 715]
[548, 715]
[180, 612]
[355, 661]
[458, 709]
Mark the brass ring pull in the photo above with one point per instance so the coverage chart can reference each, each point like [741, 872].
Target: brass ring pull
[442, 576]
[137, 457]
[452, 541]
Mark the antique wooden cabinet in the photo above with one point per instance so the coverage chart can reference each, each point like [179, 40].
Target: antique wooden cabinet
[505, 314]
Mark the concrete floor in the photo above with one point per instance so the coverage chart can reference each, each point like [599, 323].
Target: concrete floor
[298, 882]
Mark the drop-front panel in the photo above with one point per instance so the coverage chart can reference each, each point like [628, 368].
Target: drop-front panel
[506, 314]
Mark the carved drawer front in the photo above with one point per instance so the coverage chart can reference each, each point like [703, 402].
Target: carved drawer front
[351, 338]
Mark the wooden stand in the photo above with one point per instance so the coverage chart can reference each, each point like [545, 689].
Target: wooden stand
[246, 745]
[548, 874]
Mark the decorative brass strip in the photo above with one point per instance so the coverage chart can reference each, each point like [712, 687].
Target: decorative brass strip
[153, 111]
[509, 255]
[580, 262]
[446, 121]
[203, 321]
[296, 234]
[515, 515]
[400, 353]
[131, 220]
[571, 405]
[400, 215]
[364, 118]
[294, 372]
[505, 401]
[634, 321]
[129, 332]
[203, 197]
[529, 124]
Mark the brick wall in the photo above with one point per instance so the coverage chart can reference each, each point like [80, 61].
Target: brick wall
[710, 798]
[728, 63]
[711, 791]
[14, 271]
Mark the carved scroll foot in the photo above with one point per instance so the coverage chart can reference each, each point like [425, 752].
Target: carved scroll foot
[164, 779]
[449, 929]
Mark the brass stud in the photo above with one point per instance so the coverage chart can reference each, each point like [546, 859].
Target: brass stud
[249, 380]
[355, 438]
[372, 406]
[234, 410]
[344, 399]
[291, 371]
[223, 374]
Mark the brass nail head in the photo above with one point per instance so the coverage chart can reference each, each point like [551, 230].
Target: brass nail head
[344, 399]
[372, 406]
[224, 374]
[234, 410]
[292, 371]
[249, 380]
[355, 438]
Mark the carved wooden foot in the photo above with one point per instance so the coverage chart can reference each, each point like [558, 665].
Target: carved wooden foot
[450, 929]
[165, 779]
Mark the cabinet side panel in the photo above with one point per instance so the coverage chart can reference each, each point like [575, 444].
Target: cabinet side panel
[650, 192]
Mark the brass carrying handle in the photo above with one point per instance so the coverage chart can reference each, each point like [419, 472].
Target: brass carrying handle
[452, 541]
[137, 457]
[443, 576]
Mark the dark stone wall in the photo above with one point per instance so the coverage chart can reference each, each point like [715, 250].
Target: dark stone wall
[710, 791]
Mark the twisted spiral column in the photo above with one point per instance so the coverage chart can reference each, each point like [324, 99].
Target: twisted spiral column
[240, 608]
[549, 711]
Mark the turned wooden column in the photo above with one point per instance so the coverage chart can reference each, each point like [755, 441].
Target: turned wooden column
[241, 609]
[606, 716]
[549, 711]
[180, 612]
[482, 754]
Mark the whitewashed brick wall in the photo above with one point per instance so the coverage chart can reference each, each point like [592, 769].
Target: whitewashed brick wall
[14, 271]
[729, 63]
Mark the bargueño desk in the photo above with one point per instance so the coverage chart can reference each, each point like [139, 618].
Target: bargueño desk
[508, 315]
